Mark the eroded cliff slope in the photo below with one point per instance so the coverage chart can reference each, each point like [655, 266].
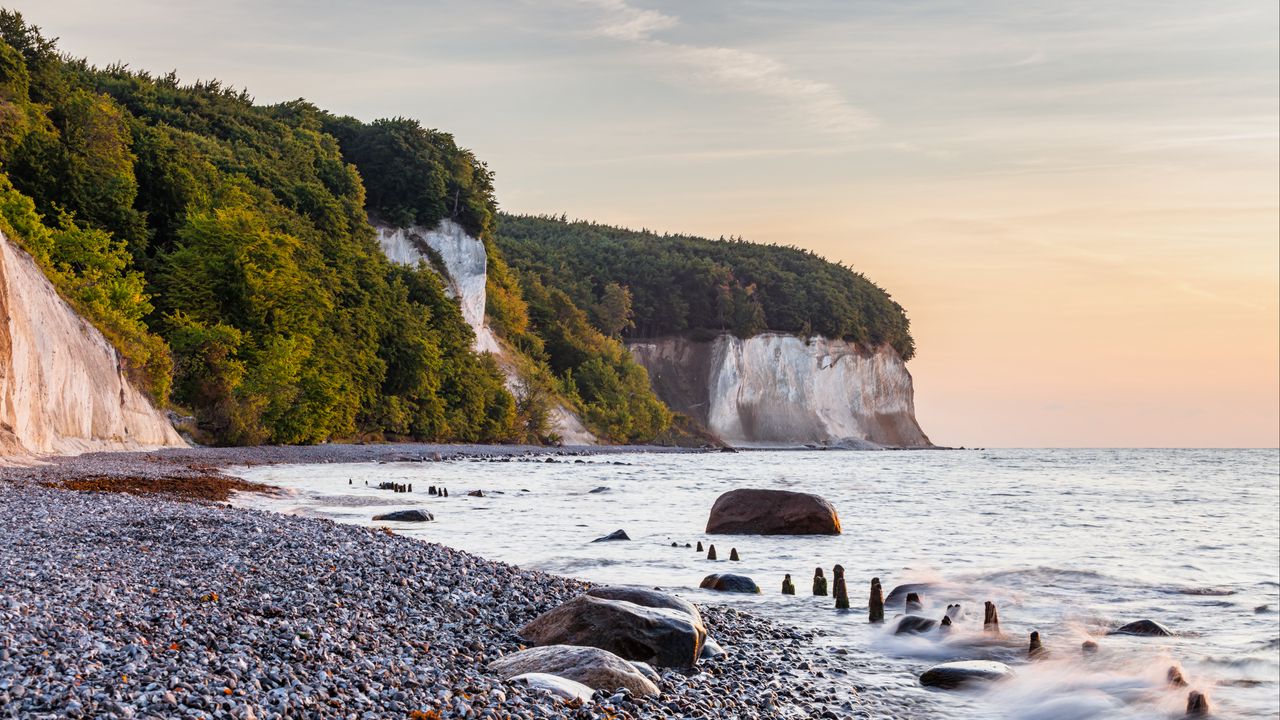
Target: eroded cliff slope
[465, 270]
[62, 385]
[777, 390]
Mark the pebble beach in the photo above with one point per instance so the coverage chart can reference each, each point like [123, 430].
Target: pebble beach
[167, 603]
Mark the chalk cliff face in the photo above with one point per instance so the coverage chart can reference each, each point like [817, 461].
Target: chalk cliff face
[62, 387]
[776, 390]
[466, 266]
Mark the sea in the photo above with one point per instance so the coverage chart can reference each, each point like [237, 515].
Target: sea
[1069, 543]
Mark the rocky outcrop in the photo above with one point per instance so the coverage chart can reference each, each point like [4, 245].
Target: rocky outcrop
[772, 512]
[63, 389]
[660, 637]
[776, 390]
[593, 667]
[462, 261]
[955, 674]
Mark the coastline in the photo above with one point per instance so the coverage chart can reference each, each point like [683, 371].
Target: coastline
[121, 604]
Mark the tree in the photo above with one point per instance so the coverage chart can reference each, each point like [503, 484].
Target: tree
[613, 312]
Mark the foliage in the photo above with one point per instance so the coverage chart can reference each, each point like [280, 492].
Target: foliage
[683, 284]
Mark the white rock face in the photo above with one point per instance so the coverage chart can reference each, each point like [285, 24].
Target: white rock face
[62, 387]
[466, 263]
[776, 390]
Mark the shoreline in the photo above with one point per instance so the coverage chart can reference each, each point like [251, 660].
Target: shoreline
[375, 621]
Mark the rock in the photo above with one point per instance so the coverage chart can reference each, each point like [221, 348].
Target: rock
[615, 535]
[406, 516]
[646, 670]
[1146, 628]
[1088, 647]
[772, 512]
[914, 625]
[711, 649]
[658, 636]
[601, 489]
[728, 582]
[898, 595]
[954, 674]
[596, 668]
[648, 598]
[476, 493]
[563, 688]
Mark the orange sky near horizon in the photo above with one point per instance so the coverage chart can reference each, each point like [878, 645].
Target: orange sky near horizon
[1078, 204]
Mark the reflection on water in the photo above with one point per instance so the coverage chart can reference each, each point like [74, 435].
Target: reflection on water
[1067, 542]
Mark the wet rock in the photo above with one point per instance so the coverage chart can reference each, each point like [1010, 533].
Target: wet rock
[711, 649]
[476, 493]
[898, 595]
[591, 666]
[648, 598]
[615, 535]
[1146, 628]
[1088, 647]
[660, 637]
[406, 516]
[914, 625]
[772, 512]
[728, 582]
[563, 688]
[954, 674]
[601, 489]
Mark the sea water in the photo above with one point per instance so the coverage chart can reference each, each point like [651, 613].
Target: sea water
[1070, 543]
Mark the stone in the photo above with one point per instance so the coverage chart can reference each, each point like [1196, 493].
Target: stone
[728, 582]
[898, 595]
[954, 674]
[711, 649]
[648, 598]
[563, 688]
[406, 516]
[658, 636]
[914, 625]
[597, 669]
[772, 512]
[615, 535]
[476, 493]
[1146, 628]
[1088, 647]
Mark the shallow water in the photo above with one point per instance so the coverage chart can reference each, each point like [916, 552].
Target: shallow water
[1066, 542]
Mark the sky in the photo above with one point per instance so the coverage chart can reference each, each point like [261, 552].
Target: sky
[1078, 203]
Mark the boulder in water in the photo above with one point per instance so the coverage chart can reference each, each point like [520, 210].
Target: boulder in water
[772, 512]
[593, 667]
[660, 637]
[914, 625]
[954, 674]
[615, 535]
[406, 516]
[728, 582]
[898, 595]
[1146, 628]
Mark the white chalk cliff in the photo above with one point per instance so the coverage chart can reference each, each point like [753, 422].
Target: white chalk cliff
[466, 267]
[776, 390]
[63, 388]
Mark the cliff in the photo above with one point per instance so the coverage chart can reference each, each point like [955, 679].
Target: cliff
[776, 390]
[465, 269]
[63, 390]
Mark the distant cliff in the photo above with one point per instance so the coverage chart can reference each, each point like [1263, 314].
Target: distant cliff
[775, 390]
[62, 385]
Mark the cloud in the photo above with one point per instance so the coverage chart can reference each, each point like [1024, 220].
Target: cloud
[818, 104]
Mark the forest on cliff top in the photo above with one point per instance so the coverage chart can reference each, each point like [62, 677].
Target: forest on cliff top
[225, 249]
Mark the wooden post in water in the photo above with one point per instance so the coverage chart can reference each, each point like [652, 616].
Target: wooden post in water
[1036, 648]
[913, 603]
[699, 546]
[711, 553]
[991, 618]
[733, 554]
[819, 583]
[788, 588]
[1197, 704]
[875, 603]
[1175, 677]
[839, 589]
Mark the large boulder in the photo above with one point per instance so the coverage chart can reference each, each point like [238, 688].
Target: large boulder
[647, 598]
[728, 582]
[563, 688]
[658, 636]
[772, 512]
[955, 674]
[613, 536]
[593, 667]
